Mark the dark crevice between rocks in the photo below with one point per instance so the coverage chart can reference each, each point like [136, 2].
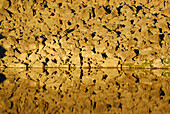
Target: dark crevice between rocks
[1, 37]
[161, 36]
[104, 56]
[2, 52]
[162, 93]
[138, 8]
[10, 13]
[81, 58]
[104, 77]
[118, 9]
[93, 12]
[93, 50]
[107, 9]
[34, 12]
[2, 78]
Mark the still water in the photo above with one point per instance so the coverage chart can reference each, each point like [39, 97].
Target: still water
[84, 91]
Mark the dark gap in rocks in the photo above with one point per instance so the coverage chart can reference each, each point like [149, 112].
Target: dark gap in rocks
[16, 49]
[94, 106]
[67, 38]
[160, 44]
[132, 32]
[86, 90]
[135, 39]
[72, 11]
[106, 28]
[81, 74]
[69, 30]
[117, 46]
[155, 21]
[150, 110]
[44, 39]
[117, 84]
[55, 61]
[104, 56]
[11, 96]
[77, 26]
[60, 4]
[18, 40]
[2, 52]
[118, 9]
[156, 14]
[118, 33]
[93, 34]
[10, 13]
[11, 30]
[120, 106]
[1, 37]
[52, 14]
[136, 51]
[109, 106]
[94, 81]
[9, 2]
[85, 39]
[161, 36]
[132, 21]
[41, 19]
[119, 94]
[45, 5]
[160, 30]
[94, 51]
[140, 30]
[150, 32]
[44, 88]
[12, 104]
[137, 79]
[2, 77]
[107, 44]
[94, 93]
[122, 25]
[168, 25]
[69, 23]
[104, 77]
[34, 12]
[81, 58]
[45, 70]
[93, 12]
[46, 60]
[107, 9]
[138, 8]
[60, 21]
[162, 92]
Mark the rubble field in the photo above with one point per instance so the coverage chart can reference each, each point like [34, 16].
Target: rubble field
[85, 33]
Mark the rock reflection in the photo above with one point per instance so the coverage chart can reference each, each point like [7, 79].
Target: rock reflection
[85, 91]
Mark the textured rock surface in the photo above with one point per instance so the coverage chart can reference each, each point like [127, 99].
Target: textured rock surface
[84, 91]
[86, 33]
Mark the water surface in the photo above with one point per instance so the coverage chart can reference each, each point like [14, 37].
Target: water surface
[84, 91]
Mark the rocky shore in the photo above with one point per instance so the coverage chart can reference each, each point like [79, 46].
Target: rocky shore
[85, 33]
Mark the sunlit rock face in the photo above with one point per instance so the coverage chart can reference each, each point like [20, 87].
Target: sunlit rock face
[84, 91]
[84, 33]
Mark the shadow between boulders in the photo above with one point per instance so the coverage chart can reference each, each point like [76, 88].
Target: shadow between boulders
[2, 49]
[2, 78]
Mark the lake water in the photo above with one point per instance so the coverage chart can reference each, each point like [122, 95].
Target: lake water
[84, 91]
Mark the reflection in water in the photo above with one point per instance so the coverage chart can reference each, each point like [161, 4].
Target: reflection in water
[85, 91]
